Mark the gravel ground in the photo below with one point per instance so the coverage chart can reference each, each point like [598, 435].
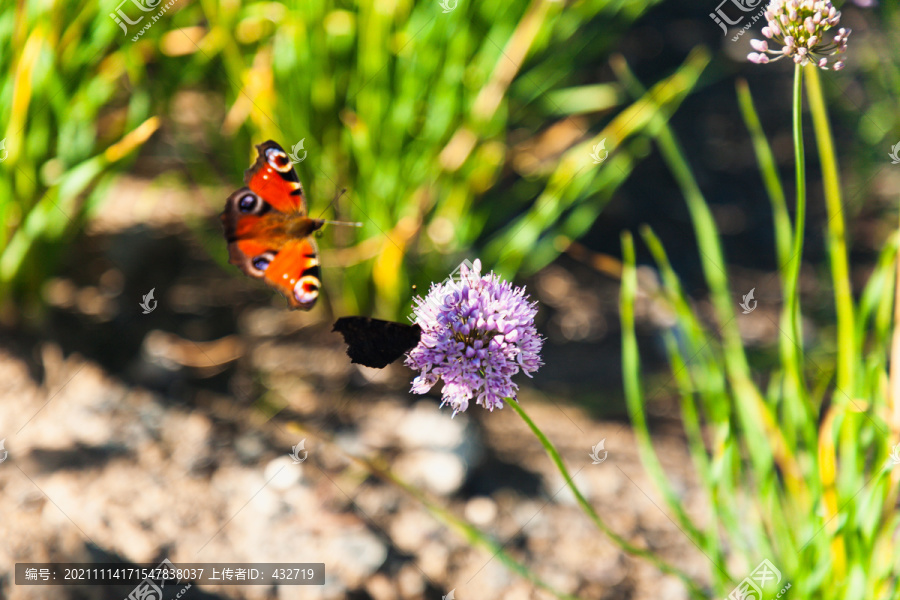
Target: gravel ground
[100, 469]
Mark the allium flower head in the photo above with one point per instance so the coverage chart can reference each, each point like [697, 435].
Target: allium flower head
[476, 334]
[800, 26]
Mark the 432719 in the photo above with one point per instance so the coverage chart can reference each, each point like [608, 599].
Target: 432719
[299, 574]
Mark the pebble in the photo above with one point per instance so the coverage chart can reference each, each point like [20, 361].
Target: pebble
[440, 473]
[249, 447]
[564, 494]
[410, 582]
[355, 555]
[426, 426]
[434, 559]
[379, 587]
[282, 473]
[410, 530]
[481, 510]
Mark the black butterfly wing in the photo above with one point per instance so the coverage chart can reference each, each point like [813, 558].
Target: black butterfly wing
[376, 343]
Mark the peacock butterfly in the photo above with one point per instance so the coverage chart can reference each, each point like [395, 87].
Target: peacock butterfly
[268, 231]
[376, 343]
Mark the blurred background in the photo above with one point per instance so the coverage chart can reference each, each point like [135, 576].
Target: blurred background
[461, 130]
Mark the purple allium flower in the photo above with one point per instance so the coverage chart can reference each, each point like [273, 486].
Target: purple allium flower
[800, 26]
[476, 334]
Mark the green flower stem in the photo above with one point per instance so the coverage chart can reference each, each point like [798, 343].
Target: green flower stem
[799, 407]
[659, 563]
[792, 303]
[791, 338]
[847, 344]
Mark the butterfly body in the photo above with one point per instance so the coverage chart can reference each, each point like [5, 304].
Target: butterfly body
[268, 230]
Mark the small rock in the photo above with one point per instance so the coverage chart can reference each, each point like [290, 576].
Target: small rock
[334, 588]
[425, 426]
[433, 559]
[520, 590]
[562, 492]
[481, 510]
[410, 530]
[350, 442]
[380, 587]
[282, 473]
[249, 447]
[410, 582]
[439, 472]
[355, 555]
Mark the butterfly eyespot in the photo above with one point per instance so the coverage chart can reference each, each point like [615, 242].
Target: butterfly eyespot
[248, 203]
[278, 160]
[307, 289]
[261, 263]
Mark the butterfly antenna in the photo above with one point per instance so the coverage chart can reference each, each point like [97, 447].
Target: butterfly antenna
[347, 223]
[337, 197]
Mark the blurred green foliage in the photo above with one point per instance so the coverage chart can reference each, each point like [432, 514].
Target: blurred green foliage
[457, 127]
[798, 459]
[68, 124]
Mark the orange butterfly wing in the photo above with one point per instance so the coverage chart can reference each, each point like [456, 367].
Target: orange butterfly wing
[267, 229]
[273, 177]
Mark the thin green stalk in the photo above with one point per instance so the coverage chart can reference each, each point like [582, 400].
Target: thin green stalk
[659, 563]
[791, 340]
[793, 300]
[796, 406]
[847, 343]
